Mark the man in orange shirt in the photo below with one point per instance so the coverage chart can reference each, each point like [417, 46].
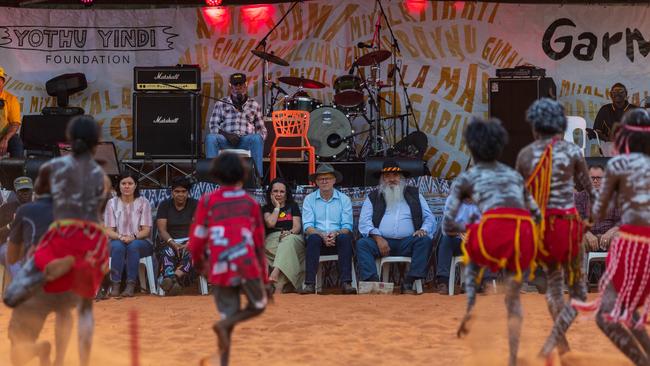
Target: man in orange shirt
[9, 121]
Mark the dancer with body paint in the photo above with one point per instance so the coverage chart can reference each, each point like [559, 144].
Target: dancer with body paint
[625, 286]
[552, 167]
[504, 238]
[72, 257]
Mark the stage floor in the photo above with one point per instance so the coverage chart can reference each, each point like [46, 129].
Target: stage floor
[330, 330]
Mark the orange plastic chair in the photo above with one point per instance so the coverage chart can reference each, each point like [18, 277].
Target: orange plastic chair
[291, 124]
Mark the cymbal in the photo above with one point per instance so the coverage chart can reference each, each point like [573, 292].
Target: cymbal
[302, 82]
[270, 58]
[373, 58]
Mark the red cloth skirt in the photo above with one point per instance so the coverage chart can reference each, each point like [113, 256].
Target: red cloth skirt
[504, 238]
[628, 270]
[562, 236]
[87, 243]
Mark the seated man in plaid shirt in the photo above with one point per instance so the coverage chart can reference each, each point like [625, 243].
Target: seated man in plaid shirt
[237, 123]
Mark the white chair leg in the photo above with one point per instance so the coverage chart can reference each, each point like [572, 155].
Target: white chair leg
[452, 277]
[354, 277]
[319, 278]
[385, 272]
[378, 266]
[418, 286]
[142, 267]
[203, 285]
[150, 275]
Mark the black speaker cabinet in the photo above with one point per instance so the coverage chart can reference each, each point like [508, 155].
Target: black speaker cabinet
[44, 132]
[509, 99]
[166, 125]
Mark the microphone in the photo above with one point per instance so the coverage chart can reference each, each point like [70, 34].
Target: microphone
[364, 45]
[351, 71]
[279, 88]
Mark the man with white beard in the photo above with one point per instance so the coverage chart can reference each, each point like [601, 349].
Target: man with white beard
[395, 220]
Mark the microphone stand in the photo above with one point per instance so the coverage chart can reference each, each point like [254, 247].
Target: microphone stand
[395, 45]
[199, 94]
[262, 43]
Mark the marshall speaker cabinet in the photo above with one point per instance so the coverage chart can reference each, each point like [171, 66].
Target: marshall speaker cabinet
[509, 99]
[166, 125]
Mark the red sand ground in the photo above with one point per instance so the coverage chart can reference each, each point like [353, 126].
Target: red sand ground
[330, 330]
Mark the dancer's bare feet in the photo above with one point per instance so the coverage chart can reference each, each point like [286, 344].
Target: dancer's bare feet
[43, 350]
[58, 268]
[463, 329]
[223, 336]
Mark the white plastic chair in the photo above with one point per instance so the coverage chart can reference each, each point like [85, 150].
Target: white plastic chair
[147, 262]
[455, 261]
[319, 274]
[385, 270]
[600, 256]
[577, 123]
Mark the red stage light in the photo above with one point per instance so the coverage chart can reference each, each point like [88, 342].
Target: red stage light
[213, 2]
[459, 5]
[217, 17]
[416, 6]
[87, 2]
[256, 15]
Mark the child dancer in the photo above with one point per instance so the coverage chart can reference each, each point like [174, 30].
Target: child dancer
[227, 244]
[552, 167]
[625, 286]
[505, 236]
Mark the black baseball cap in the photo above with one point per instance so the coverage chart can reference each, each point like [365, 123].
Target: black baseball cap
[237, 78]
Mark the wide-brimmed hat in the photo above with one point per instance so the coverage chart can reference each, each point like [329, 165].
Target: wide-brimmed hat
[326, 169]
[391, 166]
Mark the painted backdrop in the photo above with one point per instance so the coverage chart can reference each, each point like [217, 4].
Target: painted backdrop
[448, 51]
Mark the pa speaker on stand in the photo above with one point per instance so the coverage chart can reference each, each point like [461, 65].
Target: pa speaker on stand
[509, 99]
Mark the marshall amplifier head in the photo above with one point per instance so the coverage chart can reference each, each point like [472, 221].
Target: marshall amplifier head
[167, 78]
[166, 125]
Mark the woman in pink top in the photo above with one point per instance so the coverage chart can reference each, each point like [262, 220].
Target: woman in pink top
[128, 224]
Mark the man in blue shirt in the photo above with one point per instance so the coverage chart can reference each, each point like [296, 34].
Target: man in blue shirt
[327, 224]
[395, 220]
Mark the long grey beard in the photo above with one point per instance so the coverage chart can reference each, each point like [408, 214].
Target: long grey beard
[392, 194]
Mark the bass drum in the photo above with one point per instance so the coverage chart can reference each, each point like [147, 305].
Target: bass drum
[327, 124]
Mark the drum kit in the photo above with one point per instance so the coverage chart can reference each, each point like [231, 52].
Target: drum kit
[330, 126]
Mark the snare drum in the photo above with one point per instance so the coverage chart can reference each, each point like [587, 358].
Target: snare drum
[327, 123]
[348, 91]
[301, 103]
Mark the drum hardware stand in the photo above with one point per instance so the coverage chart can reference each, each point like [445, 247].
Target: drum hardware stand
[373, 145]
[396, 49]
[262, 45]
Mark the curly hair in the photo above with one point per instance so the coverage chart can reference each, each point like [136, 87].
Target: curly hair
[633, 135]
[229, 169]
[485, 139]
[547, 116]
[287, 187]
